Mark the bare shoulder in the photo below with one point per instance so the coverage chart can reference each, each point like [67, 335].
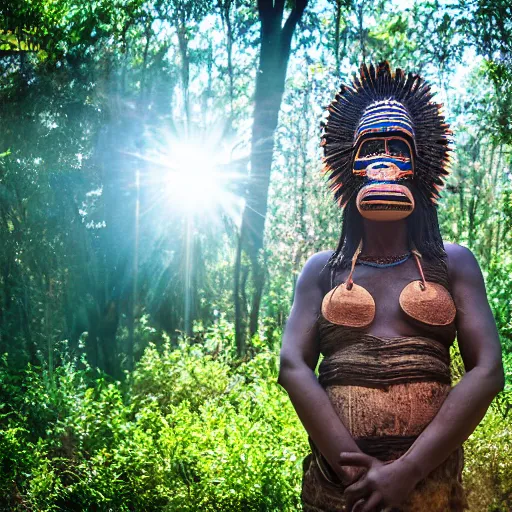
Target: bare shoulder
[462, 263]
[317, 262]
[315, 271]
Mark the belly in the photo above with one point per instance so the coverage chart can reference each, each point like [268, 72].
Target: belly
[384, 422]
[398, 410]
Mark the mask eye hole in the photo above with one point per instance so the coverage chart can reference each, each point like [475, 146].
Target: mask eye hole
[397, 147]
[372, 147]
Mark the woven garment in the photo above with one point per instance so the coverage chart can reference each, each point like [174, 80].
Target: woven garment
[441, 491]
[385, 390]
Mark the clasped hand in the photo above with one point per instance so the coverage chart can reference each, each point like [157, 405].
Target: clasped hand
[384, 484]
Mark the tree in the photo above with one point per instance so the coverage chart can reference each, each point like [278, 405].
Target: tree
[489, 29]
[275, 47]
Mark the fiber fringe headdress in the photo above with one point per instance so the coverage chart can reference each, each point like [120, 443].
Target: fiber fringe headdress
[432, 135]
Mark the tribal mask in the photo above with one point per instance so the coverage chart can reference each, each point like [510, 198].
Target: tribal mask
[381, 135]
[386, 153]
[384, 158]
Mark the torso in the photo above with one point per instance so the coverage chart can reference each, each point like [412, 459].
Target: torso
[385, 285]
[385, 381]
[392, 376]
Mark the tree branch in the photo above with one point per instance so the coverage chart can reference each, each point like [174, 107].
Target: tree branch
[279, 7]
[290, 24]
[265, 9]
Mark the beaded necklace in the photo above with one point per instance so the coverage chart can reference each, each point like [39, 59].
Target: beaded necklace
[383, 261]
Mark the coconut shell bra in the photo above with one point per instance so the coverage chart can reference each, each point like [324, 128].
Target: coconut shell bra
[351, 305]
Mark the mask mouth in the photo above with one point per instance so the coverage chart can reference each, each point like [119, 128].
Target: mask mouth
[385, 201]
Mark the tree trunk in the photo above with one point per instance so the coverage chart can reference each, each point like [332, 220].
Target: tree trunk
[362, 35]
[461, 184]
[143, 84]
[240, 312]
[181, 30]
[337, 37]
[275, 44]
[477, 178]
[226, 18]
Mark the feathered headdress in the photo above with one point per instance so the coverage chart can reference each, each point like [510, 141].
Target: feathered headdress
[409, 98]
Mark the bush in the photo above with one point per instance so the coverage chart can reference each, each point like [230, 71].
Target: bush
[488, 451]
[190, 429]
[186, 431]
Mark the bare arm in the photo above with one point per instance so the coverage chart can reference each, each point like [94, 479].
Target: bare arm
[480, 348]
[299, 357]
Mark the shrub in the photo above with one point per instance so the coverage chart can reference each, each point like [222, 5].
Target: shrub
[190, 429]
[186, 431]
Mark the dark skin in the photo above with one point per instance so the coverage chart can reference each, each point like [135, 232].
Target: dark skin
[376, 484]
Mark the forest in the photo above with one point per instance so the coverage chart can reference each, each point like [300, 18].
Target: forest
[160, 191]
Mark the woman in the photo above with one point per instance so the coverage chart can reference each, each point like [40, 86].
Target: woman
[385, 425]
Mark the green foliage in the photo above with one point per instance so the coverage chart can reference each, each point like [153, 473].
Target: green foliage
[186, 431]
[488, 472]
[499, 280]
[89, 94]
[487, 453]
[489, 29]
[189, 429]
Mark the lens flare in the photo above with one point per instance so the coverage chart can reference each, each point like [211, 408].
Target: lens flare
[199, 176]
[193, 182]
